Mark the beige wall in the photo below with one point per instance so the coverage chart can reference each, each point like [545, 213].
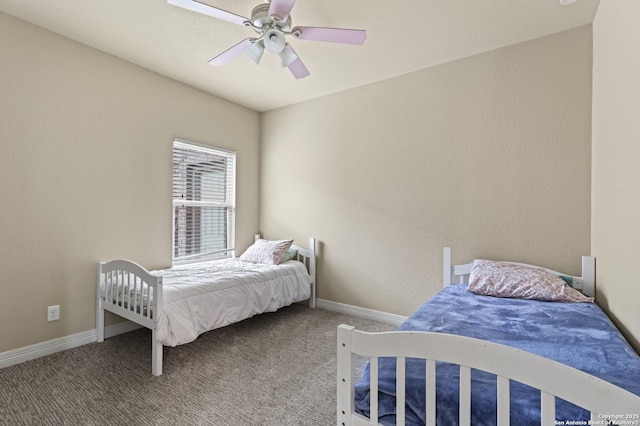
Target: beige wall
[615, 226]
[489, 154]
[85, 170]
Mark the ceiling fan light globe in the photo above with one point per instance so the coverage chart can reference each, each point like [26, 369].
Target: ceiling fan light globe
[287, 56]
[255, 51]
[274, 41]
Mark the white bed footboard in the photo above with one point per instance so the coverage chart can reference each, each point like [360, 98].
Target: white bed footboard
[553, 379]
[130, 291]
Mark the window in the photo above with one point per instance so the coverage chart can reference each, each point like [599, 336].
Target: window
[203, 202]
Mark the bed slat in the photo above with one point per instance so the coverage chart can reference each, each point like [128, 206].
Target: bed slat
[120, 288]
[430, 397]
[400, 390]
[115, 286]
[373, 371]
[465, 396]
[112, 293]
[105, 289]
[128, 289]
[547, 409]
[135, 294]
[503, 401]
[152, 304]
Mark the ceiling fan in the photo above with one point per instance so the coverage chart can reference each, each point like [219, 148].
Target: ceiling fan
[272, 22]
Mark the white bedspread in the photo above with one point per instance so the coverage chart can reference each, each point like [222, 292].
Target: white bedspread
[204, 296]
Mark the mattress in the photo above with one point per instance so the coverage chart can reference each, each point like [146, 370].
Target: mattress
[576, 334]
[204, 296]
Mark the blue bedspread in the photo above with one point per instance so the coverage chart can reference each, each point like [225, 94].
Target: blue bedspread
[576, 334]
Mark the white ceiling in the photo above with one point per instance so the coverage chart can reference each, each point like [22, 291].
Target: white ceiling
[402, 36]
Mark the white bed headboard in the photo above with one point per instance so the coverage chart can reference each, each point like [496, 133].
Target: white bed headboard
[460, 273]
[308, 258]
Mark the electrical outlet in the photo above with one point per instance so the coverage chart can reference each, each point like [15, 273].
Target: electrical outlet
[53, 313]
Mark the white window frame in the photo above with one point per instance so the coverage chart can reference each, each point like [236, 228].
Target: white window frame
[193, 239]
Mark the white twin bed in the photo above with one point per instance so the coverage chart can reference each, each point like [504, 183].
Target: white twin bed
[180, 303]
[470, 358]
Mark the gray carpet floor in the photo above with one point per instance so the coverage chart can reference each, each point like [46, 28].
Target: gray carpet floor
[273, 369]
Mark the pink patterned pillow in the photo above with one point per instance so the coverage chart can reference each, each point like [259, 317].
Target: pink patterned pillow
[265, 251]
[503, 279]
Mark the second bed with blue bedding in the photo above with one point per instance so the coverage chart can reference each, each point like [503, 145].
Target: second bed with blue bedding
[577, 334]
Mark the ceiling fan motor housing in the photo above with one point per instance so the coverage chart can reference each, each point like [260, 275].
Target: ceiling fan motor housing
[260, 17]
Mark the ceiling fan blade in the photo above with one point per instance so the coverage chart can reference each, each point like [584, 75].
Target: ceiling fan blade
[333, 35]
[281, 8]
[232, 52]
[295, 65]
[205, 9]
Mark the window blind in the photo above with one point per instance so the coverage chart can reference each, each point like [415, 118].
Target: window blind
[203, 202]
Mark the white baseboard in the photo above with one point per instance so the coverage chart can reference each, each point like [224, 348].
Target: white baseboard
[16, 356]
[360, 312]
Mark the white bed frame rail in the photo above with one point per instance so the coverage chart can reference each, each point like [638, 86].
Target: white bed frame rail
[553, 379]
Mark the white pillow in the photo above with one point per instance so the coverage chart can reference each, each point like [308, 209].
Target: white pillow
[267, 252]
